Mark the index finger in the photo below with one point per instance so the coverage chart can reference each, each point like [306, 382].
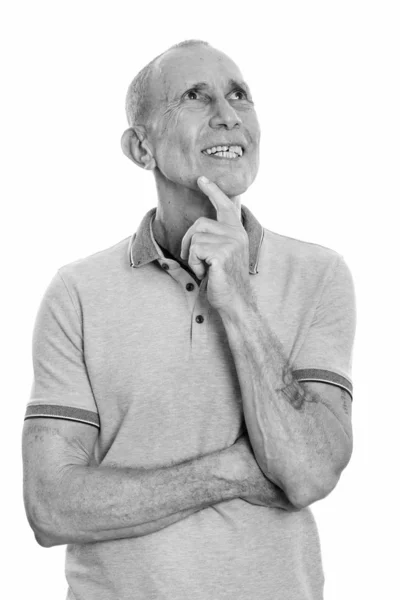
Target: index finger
[227, 210]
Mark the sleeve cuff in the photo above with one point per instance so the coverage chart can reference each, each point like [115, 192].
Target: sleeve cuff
[325, 376]
[63, 412]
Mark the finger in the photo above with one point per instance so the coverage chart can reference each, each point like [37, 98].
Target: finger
[200, 258]
[227, 210]
[201, 225]
[196, 264]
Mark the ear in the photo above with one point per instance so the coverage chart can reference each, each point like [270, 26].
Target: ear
[137, 148]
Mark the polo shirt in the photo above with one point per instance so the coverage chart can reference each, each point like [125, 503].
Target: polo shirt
[126, 341]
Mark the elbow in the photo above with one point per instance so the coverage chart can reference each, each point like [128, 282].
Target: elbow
[42, 534]
[306, 493]
[43, 524]
[43, 540]
[310, 489]
[313, 486]
[48, 537]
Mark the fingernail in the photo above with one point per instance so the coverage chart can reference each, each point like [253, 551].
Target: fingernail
[204, 179]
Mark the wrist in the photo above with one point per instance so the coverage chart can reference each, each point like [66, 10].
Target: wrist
[239, 310]
[230, 468]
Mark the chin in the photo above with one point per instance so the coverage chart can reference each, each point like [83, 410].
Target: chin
[231, 185]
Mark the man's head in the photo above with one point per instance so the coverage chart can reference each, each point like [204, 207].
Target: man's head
[188, 101]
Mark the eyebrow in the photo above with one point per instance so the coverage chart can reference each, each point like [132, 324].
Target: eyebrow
[239, 84]
[201, 85]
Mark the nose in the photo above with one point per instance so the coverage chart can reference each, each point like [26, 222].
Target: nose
[224, 116]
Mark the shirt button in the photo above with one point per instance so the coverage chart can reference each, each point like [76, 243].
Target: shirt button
[165, 266]
[199, 319]
[189, 287]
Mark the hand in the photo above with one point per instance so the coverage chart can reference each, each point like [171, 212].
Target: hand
[223, 245]
[260, 490]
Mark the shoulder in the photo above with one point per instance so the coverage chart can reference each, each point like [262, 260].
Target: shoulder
[98, 268]
[295, 247]
[300, 270]
[299, 256]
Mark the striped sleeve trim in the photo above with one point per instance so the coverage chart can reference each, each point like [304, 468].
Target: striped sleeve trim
[325, 376]
[63, 412]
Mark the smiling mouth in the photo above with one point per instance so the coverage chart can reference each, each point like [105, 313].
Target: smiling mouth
[230, 152]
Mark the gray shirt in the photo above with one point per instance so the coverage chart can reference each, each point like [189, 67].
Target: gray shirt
[117, 345]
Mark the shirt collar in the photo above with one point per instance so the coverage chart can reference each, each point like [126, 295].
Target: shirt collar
[143, 248]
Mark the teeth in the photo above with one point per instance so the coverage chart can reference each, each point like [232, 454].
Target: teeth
[238, 150]
[226, 154]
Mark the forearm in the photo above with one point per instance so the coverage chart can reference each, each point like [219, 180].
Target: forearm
[295, 438]
[48, 541]
[95, 504]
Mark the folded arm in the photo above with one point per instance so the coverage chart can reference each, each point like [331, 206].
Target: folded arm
[69, 501]
[300, 432]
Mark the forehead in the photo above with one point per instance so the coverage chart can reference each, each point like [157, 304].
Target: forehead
[182, 67]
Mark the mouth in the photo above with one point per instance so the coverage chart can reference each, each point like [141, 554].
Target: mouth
[231, 152]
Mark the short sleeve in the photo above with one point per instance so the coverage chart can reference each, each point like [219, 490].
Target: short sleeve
[61, 387]
[326, 354]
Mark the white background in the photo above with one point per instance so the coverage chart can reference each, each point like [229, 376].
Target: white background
[325, 79]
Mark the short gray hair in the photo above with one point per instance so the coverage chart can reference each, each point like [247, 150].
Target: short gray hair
[137, 102]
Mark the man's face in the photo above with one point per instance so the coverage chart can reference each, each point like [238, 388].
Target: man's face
[201, 103]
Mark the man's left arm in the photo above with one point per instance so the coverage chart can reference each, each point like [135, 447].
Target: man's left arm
[300, 432]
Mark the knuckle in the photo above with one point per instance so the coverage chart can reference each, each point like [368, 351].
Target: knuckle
[192, 252]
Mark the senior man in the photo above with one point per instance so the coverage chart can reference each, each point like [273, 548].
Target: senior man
[192, 384]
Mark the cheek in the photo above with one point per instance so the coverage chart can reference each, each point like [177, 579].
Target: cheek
[251, 124]
[176, 153]
[256, 133]
[181, 145]
[188, 149]
[178, 133]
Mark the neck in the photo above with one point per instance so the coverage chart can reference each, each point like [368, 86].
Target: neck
[178, 208]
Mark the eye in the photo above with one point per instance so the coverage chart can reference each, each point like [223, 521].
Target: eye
[240, 95]
[192, 95]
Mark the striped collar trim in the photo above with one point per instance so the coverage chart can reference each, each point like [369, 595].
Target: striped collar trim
[143, 248]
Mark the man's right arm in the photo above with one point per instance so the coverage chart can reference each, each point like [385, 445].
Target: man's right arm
[69, 501]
